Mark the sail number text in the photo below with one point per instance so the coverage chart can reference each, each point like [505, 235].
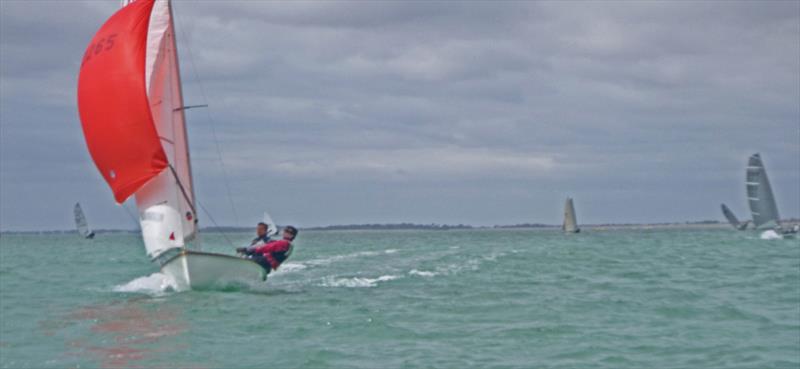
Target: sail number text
[103, 44]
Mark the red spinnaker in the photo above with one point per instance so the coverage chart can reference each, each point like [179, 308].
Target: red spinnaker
[113, 103]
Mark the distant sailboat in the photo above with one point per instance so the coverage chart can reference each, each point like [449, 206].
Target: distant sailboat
[760, 197]
[132, 112]
[733, 220]
[570, 223]
[81, 224]
[272, 228]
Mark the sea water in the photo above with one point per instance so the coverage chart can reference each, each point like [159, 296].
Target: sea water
[677, 298]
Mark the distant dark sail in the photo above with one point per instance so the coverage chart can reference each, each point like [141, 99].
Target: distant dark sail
[732, 219]
[759, 195]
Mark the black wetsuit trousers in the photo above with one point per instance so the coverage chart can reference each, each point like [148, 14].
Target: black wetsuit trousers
[261, 260]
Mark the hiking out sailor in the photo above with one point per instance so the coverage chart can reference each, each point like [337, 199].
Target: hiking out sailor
[261, 235]
[273, 253]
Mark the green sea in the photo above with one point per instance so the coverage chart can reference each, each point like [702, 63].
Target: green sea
[677, 298]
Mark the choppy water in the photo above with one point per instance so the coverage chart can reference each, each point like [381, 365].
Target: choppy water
[461, 299]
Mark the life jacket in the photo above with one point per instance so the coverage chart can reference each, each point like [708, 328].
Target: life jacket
[280, 256]
[260, 241]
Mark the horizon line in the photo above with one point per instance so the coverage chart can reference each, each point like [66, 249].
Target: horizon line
[406, 225]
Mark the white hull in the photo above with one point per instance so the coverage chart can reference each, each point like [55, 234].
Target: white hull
[771, 234]
[201, 270]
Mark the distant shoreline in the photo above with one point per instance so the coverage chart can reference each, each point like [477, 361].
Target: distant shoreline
[436, 227]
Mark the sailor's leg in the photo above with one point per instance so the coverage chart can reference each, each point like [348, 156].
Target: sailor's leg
[261, 260]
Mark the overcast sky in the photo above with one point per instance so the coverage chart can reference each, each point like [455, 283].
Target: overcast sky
[476, 112]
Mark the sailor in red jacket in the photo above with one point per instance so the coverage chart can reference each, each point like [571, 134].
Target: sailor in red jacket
[273, 253]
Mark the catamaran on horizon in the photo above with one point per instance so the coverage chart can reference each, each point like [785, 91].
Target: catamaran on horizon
[761, 199]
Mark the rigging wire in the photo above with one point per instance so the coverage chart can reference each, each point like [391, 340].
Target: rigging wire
[213, 130]
[219, 229]
[134, 218]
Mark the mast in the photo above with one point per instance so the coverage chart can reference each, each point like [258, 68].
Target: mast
[166, 204]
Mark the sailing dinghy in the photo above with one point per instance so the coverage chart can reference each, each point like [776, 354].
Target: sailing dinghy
[80, 223]
[570, 224]
[761, 200]
[132, 113]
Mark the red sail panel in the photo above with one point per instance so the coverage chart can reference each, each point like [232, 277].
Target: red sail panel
[113, 104]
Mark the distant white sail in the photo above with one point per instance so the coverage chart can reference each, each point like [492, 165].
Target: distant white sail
[759, 195]
[570, 223]
[81, 224]
[272, 229]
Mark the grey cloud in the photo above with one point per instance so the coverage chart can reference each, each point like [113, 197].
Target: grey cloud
[512, 105]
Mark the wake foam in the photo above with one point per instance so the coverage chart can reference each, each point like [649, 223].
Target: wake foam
[286, 268]
[355, 282]
[455, 268]
[155, 284]
[771, 235]
[422, 273]
[335, 258]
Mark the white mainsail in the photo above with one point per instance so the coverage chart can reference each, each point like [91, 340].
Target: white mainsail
[80, 222]
[759, 195]
[570, 223]
[166, 204]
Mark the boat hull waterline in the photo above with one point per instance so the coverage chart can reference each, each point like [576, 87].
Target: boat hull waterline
[205, 270]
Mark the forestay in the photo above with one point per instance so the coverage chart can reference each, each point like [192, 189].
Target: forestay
[166, 204]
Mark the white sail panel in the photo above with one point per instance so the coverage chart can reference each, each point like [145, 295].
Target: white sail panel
[272, 228]
[166, 203]
[759, 195]
[80, 222]
[570, 222]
